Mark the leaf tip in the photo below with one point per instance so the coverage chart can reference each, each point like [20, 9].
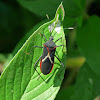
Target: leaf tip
[61, 6]
[61, 11]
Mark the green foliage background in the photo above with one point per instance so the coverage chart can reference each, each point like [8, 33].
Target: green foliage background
[19, 19]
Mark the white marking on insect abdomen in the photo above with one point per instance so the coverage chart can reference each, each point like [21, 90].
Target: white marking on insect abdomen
[48, 56]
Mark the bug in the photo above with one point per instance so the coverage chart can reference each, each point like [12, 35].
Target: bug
[47, 58]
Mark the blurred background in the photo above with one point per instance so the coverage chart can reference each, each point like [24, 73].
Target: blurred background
[20, 18]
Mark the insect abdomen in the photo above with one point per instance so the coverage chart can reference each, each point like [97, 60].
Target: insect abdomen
[46, 66]
[47, 61]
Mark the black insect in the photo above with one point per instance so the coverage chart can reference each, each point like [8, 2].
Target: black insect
[47, 58]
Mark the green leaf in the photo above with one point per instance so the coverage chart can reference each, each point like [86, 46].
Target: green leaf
[19, 79]
[89, 42]
[87, 86]
[22, 41]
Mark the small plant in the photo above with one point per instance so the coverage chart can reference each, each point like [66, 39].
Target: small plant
[20, 80]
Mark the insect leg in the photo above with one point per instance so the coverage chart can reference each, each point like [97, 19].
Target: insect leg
[58, 39]
[35, 66]
[44, 36]
[60, 61]
[60, 45]
[57, 53]
[32, 49]
[62, 66]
